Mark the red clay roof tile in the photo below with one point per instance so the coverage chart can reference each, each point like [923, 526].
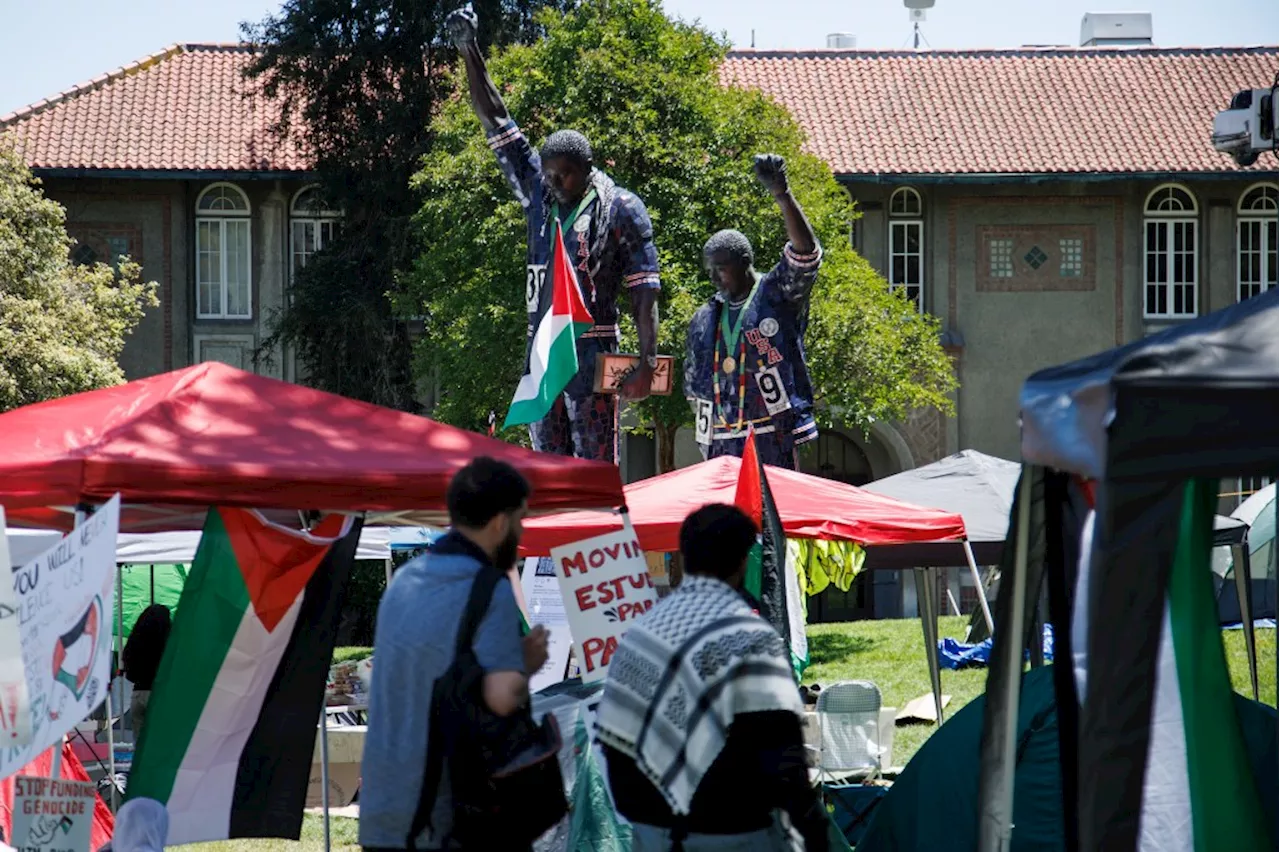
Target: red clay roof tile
[1041, 110]
[866, 112]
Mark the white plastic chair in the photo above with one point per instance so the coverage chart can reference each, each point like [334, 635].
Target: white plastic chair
[849, 724]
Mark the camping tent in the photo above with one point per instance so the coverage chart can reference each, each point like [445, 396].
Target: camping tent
[211, 435]
[1143, 432]
[941, 780]
[810, 507]
[1257, 517]
[974, 485]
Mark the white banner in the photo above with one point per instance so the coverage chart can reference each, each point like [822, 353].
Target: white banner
[52, 815]
[545, 606]
[15, 707]
[605, 585]
[64, 610]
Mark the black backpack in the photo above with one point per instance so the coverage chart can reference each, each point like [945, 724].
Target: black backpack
[504, 772]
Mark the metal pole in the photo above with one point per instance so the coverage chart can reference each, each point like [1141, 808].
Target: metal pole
[927, 601]
[324, 772]
[389, 568]
[995, 836]
[1244, 591]
[111, 704]
[977, 581]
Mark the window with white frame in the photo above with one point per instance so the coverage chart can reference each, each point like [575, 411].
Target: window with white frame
[1256, 241]
[1247, 486]
[312, 226]
[1170, 257]
[223, 254]
[906, 244]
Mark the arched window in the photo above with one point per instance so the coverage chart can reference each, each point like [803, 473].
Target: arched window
[1256, 241]
[223, 254]
[311, 225]
[906, 244]
[1170, 240]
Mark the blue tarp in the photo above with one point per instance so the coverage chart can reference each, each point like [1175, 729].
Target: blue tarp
[958, 655]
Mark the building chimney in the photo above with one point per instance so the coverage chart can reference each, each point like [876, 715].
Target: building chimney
[842, 40]
[1109, 29]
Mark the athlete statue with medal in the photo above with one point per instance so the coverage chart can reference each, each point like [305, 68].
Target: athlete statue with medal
[607, 233]
[744, 361]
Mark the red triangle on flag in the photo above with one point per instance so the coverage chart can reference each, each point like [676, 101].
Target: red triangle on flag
[750, 495]
[566, 296]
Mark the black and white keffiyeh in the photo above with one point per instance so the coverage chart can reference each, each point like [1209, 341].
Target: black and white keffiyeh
[681, 675]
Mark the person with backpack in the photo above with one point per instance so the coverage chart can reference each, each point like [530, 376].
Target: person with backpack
[449, 655]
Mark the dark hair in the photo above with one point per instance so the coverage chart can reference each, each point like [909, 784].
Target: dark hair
[716, 539]
[484, 489]
[569, 144]
[733, 242]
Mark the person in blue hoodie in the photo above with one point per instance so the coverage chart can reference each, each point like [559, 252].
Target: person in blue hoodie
[744, 361]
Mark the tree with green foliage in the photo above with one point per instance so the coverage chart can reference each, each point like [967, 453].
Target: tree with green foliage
[62, 325]
[356, 83]
[646, 91]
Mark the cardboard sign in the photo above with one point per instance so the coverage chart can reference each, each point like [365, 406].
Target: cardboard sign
[64, 612]
[15, 705]
[605, 584]
[612, 369]
[52, 815]
[546, 607]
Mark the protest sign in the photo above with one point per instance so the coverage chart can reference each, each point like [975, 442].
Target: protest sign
[64, 615]
[52, 815]
[546, 607]
[605, 585]
[15, 707]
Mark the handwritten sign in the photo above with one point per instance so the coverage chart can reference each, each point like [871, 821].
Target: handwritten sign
[15, 705]
[64, 615]
[52, 815]
[605, 584]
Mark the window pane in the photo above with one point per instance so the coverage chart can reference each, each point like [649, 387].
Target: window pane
[913, 238]
[899, 270]
[913, 269]
[237, 268]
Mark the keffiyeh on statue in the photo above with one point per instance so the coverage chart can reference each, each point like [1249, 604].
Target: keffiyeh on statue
[699, 658]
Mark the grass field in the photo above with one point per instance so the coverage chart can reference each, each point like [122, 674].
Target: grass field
[889, 653]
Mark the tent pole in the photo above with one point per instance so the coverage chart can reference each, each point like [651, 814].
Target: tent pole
[977, 582]
[1244, 591]
[389, 569]
[995, 827]
[111, 722]
[927, 601]
[324, 772]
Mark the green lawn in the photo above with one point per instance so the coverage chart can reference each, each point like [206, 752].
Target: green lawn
[889, 653]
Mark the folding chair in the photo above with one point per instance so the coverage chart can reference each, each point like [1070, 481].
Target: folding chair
[849, 724]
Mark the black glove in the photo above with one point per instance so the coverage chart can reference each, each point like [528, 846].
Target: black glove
[461, 26]
[771, 170]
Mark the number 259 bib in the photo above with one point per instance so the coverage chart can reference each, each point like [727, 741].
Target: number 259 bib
[772, 391]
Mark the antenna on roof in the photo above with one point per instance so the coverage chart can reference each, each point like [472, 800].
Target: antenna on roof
[916, 12]
[753, 39]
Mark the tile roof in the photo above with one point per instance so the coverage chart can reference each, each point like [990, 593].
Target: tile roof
[867, 112]
[177, 110]
[1034, 110]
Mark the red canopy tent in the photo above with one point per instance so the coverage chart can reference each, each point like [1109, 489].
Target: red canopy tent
[811, 507]
[172, 445]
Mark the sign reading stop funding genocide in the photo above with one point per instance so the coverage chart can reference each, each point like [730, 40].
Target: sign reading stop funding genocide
[52, 815]
[605, 585]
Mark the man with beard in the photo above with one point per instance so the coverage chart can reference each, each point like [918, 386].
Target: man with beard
[417, 626]
[608, 234]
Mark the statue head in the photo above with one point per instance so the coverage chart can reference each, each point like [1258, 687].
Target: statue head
[728, 258]
[566, 165]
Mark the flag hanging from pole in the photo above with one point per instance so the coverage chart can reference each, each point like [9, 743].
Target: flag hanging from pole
[770, 580]
[232, 718]
[553, 350]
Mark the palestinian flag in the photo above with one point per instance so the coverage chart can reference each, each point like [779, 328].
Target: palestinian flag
[1198, 793]
[770, 580]
[553, 351]
[231, 723]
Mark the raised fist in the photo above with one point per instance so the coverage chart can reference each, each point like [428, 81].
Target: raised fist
[461, 25]
[771, 170]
